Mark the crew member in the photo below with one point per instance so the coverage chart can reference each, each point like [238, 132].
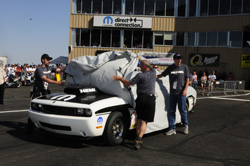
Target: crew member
[179, 80]
[145, 102]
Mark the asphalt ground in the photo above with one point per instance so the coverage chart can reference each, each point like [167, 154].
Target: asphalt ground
[219, 135]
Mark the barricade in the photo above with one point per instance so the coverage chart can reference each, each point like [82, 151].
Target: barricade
[234, 86]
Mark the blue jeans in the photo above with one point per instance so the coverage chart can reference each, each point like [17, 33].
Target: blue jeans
[181, 100]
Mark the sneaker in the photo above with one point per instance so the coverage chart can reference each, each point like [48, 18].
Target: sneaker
[137, 144]
[170, 132]
[186, 131]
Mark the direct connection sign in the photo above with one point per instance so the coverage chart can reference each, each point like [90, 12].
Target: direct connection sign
[122, 22]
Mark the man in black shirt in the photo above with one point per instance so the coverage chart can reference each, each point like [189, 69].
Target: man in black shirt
[179, 80]
[42, 77]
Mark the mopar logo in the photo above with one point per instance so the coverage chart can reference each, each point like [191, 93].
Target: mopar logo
[99, 120]
[108, 19]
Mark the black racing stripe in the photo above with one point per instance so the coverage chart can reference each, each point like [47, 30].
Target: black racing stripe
[113, 108]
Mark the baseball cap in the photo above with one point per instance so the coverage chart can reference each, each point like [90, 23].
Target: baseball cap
[46, 56]
[177, 56]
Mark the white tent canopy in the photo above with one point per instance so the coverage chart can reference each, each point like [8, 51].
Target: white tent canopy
[59, 60]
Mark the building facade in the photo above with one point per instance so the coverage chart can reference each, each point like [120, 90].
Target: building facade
[209, 34]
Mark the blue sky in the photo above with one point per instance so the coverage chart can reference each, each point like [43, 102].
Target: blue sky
[29, 28]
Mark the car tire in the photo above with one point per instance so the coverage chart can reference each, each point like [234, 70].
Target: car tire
[115, 129]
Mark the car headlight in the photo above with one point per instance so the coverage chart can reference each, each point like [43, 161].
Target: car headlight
[83, 112]
[37, 107]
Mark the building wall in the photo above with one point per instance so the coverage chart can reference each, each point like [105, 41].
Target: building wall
[230, 58]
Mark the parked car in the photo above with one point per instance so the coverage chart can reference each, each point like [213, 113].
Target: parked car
[102, 107]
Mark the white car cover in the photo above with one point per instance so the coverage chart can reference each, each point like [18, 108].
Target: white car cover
[97, 72]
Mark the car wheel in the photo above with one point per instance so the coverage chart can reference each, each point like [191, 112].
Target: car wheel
[115, 129]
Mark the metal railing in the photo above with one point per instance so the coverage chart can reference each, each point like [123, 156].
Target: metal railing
[225, 87]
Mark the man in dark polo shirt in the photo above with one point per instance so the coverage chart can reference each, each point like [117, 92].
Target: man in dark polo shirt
[179, 80]
[42, 77]
[145, 102]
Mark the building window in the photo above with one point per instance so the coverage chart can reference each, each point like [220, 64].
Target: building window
[137, 39]
[181, 8]
[107, 6]
[246, 6]
[213, 7]
[95, 37]
[160, 8]
[222, 38]
[211, 38]
[106, 38]
[168, 38]
[129, 7]
[117, 7]
[86, 6]
[84, 37]
[148, 38]
[246, 39]
[115, 38]
[191, 38]
[180, 39]
[203, 7]
[202, 39]
[170, 8]
[149, 7]
[192, 8]
[97, 6]
[235, 39]
[236, 6]
[224, 7]
[158, 38]
[139, 6]
[127, 39]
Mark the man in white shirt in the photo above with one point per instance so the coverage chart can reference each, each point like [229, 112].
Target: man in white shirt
[211, 80]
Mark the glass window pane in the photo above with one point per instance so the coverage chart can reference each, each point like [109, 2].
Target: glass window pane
[202, 38]
[97, 6]
[158, 38]
[137, 39]
[203, 7]
[85, 37]
[78, 6]
[115, 38]
[129, 7]
[127, 39]
[180, 39]
[139, 6]
[191, 38]
[148, 39]
[77, 37]
[246, 39]
[106, 38]
[212, 38]
[246, 6]
[213, 7]
[168, 38]
[86, 6]
[170, 8]
[224, 7]
[236, 6]
[192, 8]
[95, 37]
[181, 8]
[107, 6]
[149, 7]
[222, 38]
[236, 39]
[117, 6]
[160, 8]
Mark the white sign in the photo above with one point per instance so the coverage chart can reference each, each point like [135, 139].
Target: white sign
[122, 22]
